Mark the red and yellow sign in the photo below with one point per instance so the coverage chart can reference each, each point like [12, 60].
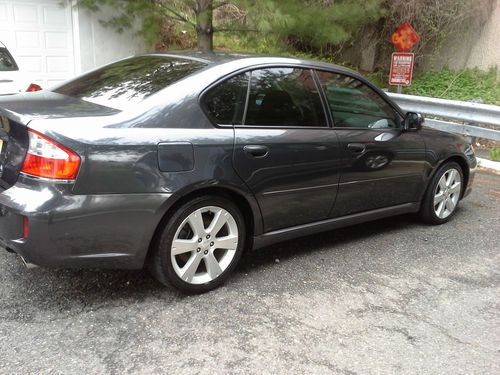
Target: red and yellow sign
[404, 38]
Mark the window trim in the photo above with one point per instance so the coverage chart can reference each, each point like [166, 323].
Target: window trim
[375, 89]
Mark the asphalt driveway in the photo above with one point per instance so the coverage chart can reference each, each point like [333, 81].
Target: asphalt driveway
[389, 297]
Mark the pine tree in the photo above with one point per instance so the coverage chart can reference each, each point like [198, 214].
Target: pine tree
[306, 22]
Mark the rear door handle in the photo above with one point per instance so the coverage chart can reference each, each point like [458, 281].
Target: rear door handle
[256, 151]
[356, 148]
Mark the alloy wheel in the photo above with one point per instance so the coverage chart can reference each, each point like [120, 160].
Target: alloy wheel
[204, 245]
[447, 193]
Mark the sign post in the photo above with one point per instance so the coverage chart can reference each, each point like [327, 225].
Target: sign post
[403, 39]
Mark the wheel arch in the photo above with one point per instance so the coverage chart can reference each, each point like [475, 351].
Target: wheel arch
[248, 206]
[463, 165]
[460, 160]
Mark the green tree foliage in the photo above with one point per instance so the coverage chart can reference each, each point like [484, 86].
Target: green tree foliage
[150, 15]
[313, 24]
[299, 23]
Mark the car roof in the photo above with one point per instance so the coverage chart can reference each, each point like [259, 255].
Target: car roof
[250, 60]
[217, 58]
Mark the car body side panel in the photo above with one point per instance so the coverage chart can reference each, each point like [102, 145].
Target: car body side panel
[128, 163]
[296, 182]
[389, 172]
[110, 230]
[441, 146]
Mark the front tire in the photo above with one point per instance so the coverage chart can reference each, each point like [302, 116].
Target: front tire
[200, 245]
[443, 194]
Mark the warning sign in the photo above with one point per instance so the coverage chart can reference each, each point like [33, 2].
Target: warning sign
[401, 68]
[404, 38]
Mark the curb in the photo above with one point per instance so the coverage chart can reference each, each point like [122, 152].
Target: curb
[488, 164]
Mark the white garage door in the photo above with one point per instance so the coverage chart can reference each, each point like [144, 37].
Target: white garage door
[38, 33]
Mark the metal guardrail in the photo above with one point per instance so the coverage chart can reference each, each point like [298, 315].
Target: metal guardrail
[474, 114]
[468, 130]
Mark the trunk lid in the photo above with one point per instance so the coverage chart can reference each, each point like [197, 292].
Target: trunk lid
[48, 104]
[17, 111]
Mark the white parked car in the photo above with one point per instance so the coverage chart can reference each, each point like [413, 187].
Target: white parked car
[12, 81]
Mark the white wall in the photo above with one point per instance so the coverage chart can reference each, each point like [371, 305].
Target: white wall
[486, 51]
[53, 40]
[474, 47]
[39, 35]
[96, 45]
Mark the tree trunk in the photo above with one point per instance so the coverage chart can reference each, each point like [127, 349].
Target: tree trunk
[204, 30]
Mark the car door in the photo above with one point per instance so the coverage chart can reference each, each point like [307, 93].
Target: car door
[284, 149]
[382, 165]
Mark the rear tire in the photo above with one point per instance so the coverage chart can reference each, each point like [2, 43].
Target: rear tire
[200, 245]
[443, 194]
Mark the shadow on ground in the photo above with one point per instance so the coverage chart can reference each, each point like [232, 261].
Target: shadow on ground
[45, 287]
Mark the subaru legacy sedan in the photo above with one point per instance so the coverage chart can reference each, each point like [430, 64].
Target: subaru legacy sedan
[182, 162]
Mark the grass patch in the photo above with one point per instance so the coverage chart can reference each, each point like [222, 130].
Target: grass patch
[495, 154]
[467, 84]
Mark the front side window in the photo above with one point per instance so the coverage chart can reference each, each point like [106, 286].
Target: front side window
[354, 104]
[7, 62]
[284, 97]
[129, 81]
[225, 103]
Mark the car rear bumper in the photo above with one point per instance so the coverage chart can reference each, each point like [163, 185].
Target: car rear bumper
[66, 230]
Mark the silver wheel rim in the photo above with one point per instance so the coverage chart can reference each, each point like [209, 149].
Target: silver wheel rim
[447, 193]
[204, 245]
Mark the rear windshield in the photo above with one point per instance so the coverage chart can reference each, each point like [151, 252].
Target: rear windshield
[129, 81]
[7, 62]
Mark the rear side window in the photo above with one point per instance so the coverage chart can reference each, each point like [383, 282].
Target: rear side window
[129, 81]
[7, 62]
[284, 97]
[225, 103]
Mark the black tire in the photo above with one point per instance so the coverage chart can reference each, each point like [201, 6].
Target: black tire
[427, 208]
[161, 263]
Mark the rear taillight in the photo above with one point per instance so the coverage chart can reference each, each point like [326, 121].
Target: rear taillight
[33, 87]
[49, 159]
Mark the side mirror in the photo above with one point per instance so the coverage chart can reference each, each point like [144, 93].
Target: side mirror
[413, 121]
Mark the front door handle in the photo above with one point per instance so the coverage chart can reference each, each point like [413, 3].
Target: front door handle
[256, 151]
[356, 148]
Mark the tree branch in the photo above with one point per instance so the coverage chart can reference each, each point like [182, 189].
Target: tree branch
[216, 29]
[221, 4]
[176, 15]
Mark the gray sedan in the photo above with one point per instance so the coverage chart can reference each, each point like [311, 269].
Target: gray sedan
[181, 162]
